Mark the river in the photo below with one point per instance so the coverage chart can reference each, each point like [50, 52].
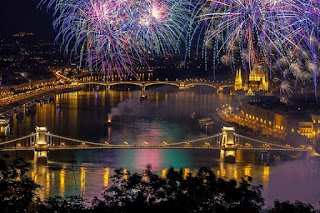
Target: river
[164, 116]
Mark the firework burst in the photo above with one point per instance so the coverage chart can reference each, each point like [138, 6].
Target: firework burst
[115, 35]
[276, 33]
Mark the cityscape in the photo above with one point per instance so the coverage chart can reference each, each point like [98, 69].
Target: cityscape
[160, 105]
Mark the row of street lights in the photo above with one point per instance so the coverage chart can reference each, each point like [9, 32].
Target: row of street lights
[164, 143]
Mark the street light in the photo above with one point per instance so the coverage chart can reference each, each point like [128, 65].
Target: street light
[207, 144]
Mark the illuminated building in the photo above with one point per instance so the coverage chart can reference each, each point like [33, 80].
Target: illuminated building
[257, 81]
[264, 117]
[310, 129]
[282, 122]
[238, 85]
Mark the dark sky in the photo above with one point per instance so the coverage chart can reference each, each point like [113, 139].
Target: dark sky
[23, 16]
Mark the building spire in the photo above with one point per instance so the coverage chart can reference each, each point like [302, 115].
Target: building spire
[238, 80]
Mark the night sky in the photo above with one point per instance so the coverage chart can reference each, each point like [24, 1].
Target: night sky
[23, 16]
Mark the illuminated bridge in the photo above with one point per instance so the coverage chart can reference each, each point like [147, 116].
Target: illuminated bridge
[219, 86]
[228, 139]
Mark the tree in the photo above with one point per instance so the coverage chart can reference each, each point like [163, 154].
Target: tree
[16, 189]
[59, 204]
[288, 207]
[204, 192]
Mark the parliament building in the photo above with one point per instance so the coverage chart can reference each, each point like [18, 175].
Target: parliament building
[257, 81]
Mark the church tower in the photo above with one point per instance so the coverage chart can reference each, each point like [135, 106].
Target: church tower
[238, 80]
[265, 83]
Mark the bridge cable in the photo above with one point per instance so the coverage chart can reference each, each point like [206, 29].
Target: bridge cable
[259, 141]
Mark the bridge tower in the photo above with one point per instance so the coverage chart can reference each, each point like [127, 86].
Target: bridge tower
[108, 86]
[143, 87]
[41, 148]
[182, 85]
[228, 154]
[228, 137]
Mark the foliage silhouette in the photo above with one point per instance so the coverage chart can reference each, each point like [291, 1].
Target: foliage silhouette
[146, 192]
[288, 207]
[16, 189]
[175, 193]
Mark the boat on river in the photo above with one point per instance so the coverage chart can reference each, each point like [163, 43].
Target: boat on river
[143, 97]
[206, 121]
[108, 122]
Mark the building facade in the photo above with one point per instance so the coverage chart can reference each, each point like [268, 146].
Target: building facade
[256, 81]
[309, 126]
[310, 129]
[265, 117]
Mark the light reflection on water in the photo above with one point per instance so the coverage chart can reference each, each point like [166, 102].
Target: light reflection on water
[89, 178]
[165, 116]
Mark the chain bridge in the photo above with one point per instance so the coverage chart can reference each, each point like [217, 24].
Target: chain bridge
[228, 140]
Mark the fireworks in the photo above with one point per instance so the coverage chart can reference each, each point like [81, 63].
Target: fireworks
[276, 33]
[115, 35]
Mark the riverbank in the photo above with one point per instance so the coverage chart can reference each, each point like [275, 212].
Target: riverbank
[255, 130]
[39, 95]
[250, 129]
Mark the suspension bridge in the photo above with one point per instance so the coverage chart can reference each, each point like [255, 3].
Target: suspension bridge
[228, 139]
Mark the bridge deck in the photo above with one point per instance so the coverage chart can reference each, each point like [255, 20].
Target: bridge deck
[153, 147]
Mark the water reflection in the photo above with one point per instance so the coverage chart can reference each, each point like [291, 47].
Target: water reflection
[266, 173]
[136, 161]
[82, 115]
[62, 176]
[186, 172]
[91, 177]
[164, 173]
[165, 116]
[48, 184]
[106, 177]
[82, 180]
[44, 176]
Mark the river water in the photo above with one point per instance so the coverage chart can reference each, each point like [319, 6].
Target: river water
[164, 116]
